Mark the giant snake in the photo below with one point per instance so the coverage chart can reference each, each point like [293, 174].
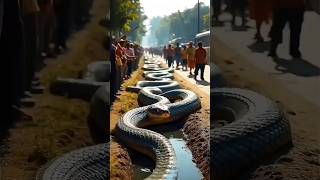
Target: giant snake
[159, 104]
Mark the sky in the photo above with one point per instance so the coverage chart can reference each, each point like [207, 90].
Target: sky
[153, 8]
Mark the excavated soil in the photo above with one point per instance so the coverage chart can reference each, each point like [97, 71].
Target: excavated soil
[197, 129]
[120, 162]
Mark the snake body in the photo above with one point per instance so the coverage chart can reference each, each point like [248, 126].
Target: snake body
[157, 99]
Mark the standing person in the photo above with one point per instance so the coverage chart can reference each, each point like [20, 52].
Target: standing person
[184, 57]
[200, 60]
[238, 6]
[130, 58]
[164, 50]
[177, 52]
[190, 56]
[261, 12]
[170, 55]
[120, 56]
[46, 27]
[216, 12]
[13, 59]
[113, 81]
[137, 53]
[124, 67]
[166, 55]
[30, 11]
[62, 10]
[284, 11]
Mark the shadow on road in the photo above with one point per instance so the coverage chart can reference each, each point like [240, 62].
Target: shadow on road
[203, 83]
[260, 47]
[299, 67]
[240, 28]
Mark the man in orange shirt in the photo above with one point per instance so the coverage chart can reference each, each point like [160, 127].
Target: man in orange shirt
[170, 55]
[200, 61]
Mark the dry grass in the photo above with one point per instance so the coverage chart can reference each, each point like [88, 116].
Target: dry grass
[127, 100]
[59, 124]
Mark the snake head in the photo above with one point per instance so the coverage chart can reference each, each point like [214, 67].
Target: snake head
[158, 113]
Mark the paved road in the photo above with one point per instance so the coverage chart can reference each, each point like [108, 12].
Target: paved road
[203, 85]
[300, 76]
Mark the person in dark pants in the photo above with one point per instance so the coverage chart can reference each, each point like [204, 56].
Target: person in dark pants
[200, 60]
[12, 45]
[177, 52]
[238, 6]
[46, 27]
[292, 12]
[130, 58]
[216, 12]
[170, 55]
[113, 69]
[63, 17]
[30, 20]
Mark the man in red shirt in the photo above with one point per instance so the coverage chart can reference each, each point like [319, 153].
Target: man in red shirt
[284, 11]
[200, 61]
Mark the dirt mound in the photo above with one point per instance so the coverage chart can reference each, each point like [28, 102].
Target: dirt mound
[120, 162]
[198, 140]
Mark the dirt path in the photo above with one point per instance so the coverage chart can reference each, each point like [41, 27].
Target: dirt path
[301, 161]
[59, 124]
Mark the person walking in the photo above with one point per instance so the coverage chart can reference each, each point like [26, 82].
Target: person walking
[184, 57]
[190, 57]
[292, 12]
[260, 11]
[170, 55]
[177, 52]
[200, 60]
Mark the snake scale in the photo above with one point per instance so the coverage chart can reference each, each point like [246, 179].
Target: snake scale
[161, 101]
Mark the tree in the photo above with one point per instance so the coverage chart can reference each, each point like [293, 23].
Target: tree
[125, 15]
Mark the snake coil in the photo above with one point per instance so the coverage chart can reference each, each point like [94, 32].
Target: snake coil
[157, 99]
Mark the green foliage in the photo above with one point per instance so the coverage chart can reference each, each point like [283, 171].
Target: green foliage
[179, 24]
[125, 16]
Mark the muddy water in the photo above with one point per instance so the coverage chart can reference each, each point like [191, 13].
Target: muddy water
[187, 169]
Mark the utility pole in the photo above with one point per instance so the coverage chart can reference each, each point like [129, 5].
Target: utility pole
[198, 16]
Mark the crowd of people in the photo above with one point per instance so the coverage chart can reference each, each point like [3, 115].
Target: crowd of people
[186, 56]
[30, 31]
[279, 12]
[124, 59]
